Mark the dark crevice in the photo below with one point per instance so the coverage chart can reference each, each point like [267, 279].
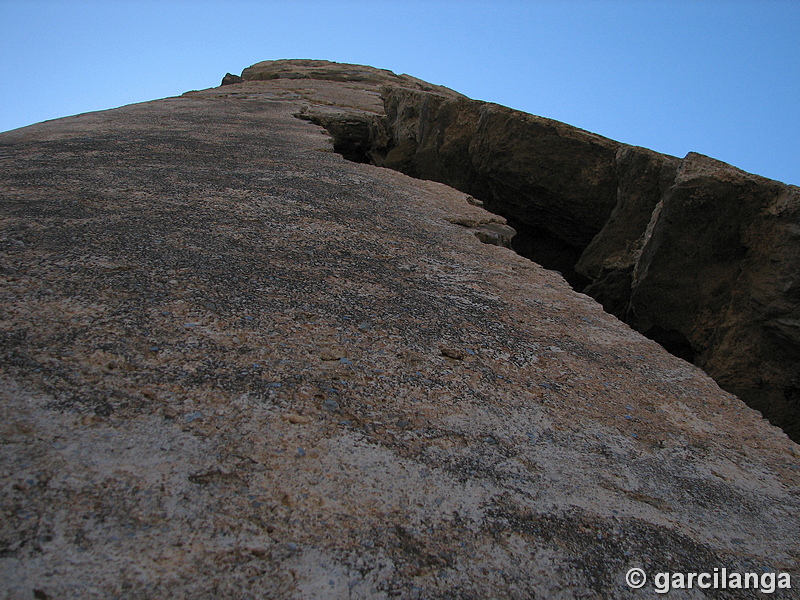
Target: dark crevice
[542, 247]
[353, 141]
[354, 138]
[673, 342]
[580, 205]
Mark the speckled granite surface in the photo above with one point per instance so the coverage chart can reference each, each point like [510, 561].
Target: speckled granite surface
[235, 365]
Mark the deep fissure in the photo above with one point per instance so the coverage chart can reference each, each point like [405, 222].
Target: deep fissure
[610, 191]
[352, 139]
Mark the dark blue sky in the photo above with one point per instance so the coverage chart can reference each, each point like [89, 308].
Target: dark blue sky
[720, 77]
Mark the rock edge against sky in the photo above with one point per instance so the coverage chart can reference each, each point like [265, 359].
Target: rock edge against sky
[696, 254]
[237, 365]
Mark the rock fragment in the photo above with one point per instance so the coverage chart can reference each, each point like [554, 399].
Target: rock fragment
[230, 79]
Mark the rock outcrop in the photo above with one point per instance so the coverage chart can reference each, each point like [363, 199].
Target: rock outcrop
[231, 78]
[235, 365]
[696, 254]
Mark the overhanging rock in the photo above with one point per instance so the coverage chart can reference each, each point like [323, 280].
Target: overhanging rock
[696, 254]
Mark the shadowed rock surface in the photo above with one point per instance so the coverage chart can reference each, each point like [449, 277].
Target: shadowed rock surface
[236, 365]
[696, 254]
[230, 79]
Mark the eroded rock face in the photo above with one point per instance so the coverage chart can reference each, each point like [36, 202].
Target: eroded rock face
[692, 252]
[235, 365]
[610, 258]
[721, 269]
[543, 173]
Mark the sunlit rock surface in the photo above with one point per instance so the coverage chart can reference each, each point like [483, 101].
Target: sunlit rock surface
[237, 365]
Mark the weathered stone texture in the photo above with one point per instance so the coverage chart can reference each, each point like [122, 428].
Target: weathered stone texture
[609, 259]
[694, 253]
[230, 79]
[236, 365]
[721, 268]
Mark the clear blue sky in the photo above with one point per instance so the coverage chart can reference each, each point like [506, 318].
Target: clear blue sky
[720, 77]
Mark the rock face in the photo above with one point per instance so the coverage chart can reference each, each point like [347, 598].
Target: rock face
[696, 254]
[720, 270]
[236, 365]
[230, 79]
